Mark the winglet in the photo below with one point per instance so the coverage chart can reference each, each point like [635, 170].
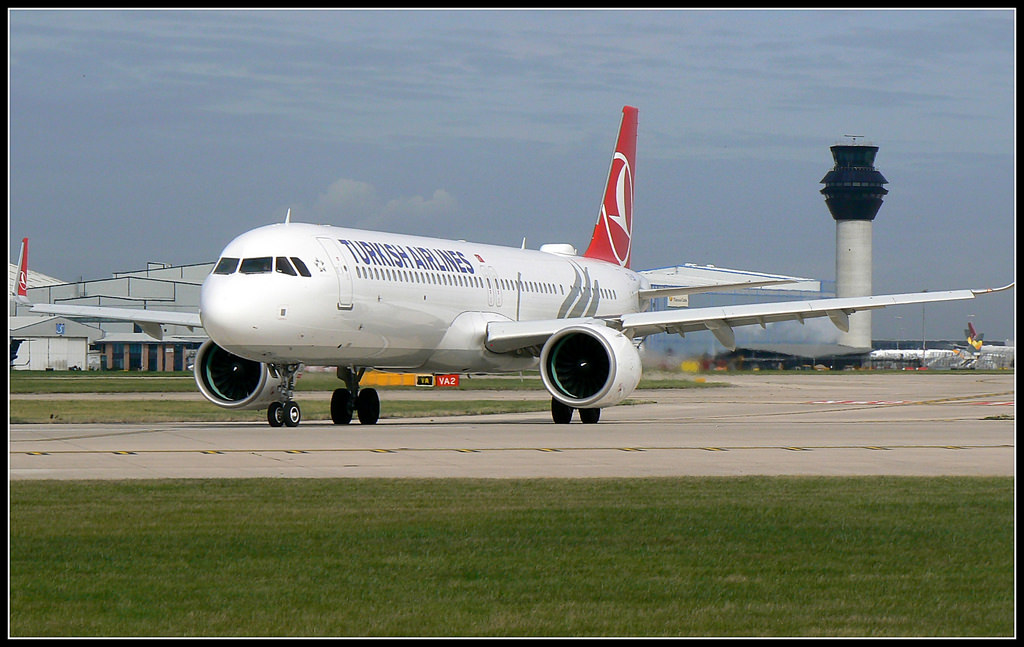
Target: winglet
[20, 288]
[987, 290]
[614, 230]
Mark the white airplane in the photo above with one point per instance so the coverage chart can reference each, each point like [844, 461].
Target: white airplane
[290, 294]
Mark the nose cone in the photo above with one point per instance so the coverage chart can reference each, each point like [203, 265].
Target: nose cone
[226, 310]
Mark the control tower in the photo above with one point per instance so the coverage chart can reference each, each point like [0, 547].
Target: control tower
[853, 192]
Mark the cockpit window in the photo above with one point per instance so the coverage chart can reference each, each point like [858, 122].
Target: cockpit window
[300, 266]
[284, 267]
[226, 265]
[261, 265]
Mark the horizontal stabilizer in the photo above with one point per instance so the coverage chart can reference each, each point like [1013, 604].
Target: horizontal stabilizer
[694, 279]
[675, 291]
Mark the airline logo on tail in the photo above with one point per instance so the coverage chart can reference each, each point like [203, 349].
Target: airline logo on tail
[973, 338]
[21, 289]
[613, 233]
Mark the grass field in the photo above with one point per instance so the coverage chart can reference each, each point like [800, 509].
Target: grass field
[550, 557]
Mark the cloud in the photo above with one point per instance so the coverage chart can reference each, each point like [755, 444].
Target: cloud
[418, 207]
[354, 203]
[347, 201]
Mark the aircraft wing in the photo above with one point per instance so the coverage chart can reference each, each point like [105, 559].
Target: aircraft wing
[721, 320]
[148, 320]
[507, 336]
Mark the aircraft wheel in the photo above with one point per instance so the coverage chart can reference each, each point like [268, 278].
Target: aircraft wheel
[341, 408]
[368, 406]
[292, 414]
[560, 413]
[590, 416]
[275, 414]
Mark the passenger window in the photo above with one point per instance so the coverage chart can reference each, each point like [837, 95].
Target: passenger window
[261, 265]
[284, 267]
[300, 266]
[226, 266]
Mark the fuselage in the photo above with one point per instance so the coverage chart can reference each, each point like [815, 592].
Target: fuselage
[323, 295]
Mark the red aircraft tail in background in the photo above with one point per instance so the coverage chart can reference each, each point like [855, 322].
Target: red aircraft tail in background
[20, 291]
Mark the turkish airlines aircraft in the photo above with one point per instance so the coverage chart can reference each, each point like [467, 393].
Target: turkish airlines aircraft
[289, 294]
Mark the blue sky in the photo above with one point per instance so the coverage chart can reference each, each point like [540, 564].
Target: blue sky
[141, 136]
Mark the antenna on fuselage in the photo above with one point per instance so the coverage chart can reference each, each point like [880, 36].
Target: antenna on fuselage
[288, 216]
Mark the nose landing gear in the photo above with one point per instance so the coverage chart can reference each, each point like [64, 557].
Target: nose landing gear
[285, 411]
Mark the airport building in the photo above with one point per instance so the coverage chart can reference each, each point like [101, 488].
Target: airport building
[50, 343]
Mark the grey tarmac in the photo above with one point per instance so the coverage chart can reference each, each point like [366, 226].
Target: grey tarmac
[841, 424]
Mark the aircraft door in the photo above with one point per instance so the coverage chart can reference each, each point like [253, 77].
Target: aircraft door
[493, 287]
[343, 266]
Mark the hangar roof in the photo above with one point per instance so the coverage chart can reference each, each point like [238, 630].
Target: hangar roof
[35, 279]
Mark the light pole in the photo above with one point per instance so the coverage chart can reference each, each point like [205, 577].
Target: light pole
[924, 337]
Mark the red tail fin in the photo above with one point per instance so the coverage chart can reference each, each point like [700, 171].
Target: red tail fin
[614, 230]
[21, 287]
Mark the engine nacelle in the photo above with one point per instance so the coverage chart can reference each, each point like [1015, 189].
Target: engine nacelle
[233, 382]
[589, 366]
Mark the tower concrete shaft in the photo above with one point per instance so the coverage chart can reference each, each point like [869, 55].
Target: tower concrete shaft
[853, 276]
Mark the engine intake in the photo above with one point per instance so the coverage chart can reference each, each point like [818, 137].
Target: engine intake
[589, 366]
[233, 382]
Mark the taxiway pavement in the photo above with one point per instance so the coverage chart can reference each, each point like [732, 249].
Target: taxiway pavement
[806, 424]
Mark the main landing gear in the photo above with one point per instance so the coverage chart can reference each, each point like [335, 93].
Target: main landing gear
[562, 414]
[365, 403]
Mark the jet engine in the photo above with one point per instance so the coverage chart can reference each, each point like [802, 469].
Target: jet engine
[233, 382]
[589, 366]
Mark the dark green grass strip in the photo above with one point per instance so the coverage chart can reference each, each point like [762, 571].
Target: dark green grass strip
[603, 557]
